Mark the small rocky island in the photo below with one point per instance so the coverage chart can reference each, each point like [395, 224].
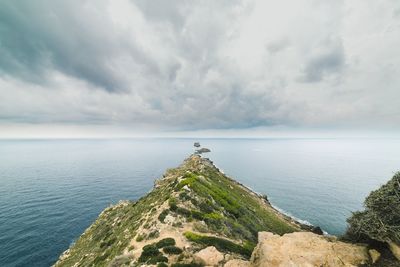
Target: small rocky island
[197, 216]
[200, 150]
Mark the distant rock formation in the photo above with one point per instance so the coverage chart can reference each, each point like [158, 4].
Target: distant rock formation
[202, 150]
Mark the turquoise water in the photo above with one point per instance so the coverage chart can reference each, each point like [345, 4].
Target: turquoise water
[52, 190]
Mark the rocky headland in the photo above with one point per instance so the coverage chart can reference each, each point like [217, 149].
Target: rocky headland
[197, 216]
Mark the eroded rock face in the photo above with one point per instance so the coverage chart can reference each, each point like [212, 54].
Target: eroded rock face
[306, 249]
[209, 256]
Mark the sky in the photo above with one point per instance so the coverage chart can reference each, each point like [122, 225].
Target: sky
[146, 68]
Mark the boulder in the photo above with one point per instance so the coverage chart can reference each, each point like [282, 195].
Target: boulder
[306, 249]
[237, 263]
[209, 256]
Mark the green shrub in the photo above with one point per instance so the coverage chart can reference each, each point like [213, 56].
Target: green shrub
[156, 259]
[190, 178]
[101, 258]
[199, 227]
[197, 215]
[172, 204]
[182, 211]
[153, 234]
[172, 250]
[194, 201]
[165, 242]
[381, 218]
[184, 196]
[139, 238]
[149, 247]
[249, 245]
[213, 216]
[162, 215]
[220, 243]
[149, 251]
[206, 207]
[108, 243]
[162, 264]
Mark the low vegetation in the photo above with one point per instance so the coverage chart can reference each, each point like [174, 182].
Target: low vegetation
[165, 242]
[163, 215]
[225, 207]
[381, 218]
[220, 243]
[172, 250]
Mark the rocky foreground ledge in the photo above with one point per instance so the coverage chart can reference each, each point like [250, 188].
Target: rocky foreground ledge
[197, 216]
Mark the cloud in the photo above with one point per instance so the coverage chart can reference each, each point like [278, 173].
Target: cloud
[326, 60]
[176, 65]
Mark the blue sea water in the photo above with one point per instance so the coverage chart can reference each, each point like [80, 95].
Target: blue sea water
[52, 190]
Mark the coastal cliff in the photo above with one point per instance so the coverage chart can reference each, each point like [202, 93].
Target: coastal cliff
[197, 216]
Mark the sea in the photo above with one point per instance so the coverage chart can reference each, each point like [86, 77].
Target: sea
[52, 190]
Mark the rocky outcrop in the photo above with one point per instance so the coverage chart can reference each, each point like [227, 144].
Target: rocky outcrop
[306, 249]
[197, 215]
[209, 256]
[237, 263]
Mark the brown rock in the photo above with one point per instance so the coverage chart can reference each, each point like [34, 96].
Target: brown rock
[209, 256]
[305, 249]
[237, 263]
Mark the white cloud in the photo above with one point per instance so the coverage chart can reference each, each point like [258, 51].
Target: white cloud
[205, 65]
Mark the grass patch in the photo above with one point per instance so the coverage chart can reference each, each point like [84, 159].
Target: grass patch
[213, 216]
[190, 178]
[172, 204]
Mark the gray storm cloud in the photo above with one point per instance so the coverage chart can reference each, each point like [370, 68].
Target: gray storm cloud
[180, 65]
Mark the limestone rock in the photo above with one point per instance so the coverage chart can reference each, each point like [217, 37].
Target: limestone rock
[210, 256]
[305, 249]
[169, 219]
[237, 263]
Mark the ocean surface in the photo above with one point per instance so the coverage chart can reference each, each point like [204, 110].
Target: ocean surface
[52, 190]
